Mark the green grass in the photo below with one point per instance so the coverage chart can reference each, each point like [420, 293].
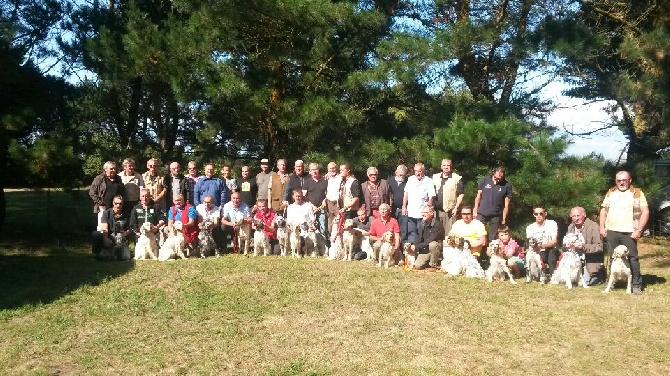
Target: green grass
[61, 312]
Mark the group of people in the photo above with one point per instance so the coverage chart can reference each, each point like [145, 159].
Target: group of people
[418, 210]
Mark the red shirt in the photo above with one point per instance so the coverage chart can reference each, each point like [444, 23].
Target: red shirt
[267, 218]
[379, 227]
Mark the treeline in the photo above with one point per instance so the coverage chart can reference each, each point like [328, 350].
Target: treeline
[370, 82]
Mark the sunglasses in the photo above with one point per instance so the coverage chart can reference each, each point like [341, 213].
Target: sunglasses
[538, 214]
[466, 213]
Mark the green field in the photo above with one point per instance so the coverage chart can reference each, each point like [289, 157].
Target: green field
[61, 312]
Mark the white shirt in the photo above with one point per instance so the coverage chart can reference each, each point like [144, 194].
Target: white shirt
[544, 233]
[418, 193]
[333, 189]
[203, 214]
[299, 214]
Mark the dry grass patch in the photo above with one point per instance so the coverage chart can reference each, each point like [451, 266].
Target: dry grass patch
[280, 316]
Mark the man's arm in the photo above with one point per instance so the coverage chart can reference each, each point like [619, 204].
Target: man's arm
[644, 217]
[404, 203]
[459, 201]
[506, 210]
[602, 219]
[477, 200]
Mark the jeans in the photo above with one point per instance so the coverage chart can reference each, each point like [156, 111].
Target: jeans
[321, 217]
[413, 229]
[402, 221]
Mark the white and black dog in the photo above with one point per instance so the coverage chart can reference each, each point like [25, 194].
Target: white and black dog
[206, 244]
[534, 262]
[498, 264]
[261, 240]
[569, 270]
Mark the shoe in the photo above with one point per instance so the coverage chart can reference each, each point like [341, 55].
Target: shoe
[431, 269]
[594, 282]
[637, 290]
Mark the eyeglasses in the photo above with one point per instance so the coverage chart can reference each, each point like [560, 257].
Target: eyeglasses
[118, 203]
[208, 202]
[621, 180]
[191, 168]
[152, 166]
[538, 214]
[372, 174]
[466, 213]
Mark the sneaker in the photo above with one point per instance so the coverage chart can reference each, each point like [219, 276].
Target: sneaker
[637, 290]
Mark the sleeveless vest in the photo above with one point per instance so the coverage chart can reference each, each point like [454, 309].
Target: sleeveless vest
[190, 233]
[277, 190]
[448, 190]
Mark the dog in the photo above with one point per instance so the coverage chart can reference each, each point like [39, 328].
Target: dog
[282, 234]
[206, 245]
[451, 255]
[386, 251]
[315, 243]
[261, 240]
[146, 247]
[569, 270]
[336, 250]
[366, 247]
[620, 269]
[174, 245]
[469, 263]
[119, 250]
[348, 240]
[497, 264]
[534, 262]
[410, 258]
[244, 236]
[295, 240]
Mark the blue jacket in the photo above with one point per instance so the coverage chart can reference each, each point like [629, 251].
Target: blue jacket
[211, 186]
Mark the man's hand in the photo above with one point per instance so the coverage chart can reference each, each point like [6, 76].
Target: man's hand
[603, 232]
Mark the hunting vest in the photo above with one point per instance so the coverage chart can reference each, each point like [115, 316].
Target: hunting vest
[448, 190]
[277, 184]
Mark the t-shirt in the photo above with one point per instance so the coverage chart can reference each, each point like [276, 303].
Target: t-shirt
[469, 231]
[620, 210]
[262, 180]
[492, 200]
[544, 233]
[316, 190]
[299, 214]
[379, 227]
[248, 190]
[233, 214]
[418, 193]
[214, 214]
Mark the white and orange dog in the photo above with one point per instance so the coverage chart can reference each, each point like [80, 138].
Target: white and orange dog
[146, 247]
[261, 240]
[386, 251]
[174, 245]
[620, 269]
[533, 262]
[498, 265]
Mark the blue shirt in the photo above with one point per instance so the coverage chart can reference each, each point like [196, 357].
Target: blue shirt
[211, 186]
[192, 214]
[232, 214]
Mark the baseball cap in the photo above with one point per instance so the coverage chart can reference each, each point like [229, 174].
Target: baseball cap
[265, 161]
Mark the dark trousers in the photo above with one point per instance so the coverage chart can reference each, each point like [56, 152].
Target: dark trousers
[492, 223]
[550, 258]
[402, 221]
[413, 229]
[614, 239]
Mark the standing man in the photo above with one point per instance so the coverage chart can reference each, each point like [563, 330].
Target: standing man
[192, 178]
[586, 239]
[397, 184]
[450, 193]
[295, 181]
[349, 193]
[104, 188]
[316, 186]
[175, 184]
[227, 177]
[494, 195]
[277, 185]
[247, 187]
[211, 185]
[545, 231]
[154, 182]
[623, 216]
[332, 195]
[376, 191]
[428, 245]
[419, 191]
[132, 182]
[263, 179]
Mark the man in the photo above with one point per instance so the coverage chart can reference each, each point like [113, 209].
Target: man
[263, 179]
[192, 178]
[545, 231]
[299, 211]
[349, 193]
[585, 235]
[623, 216]
[315, 187]
[175, 183]
[186, 214]
[132, 182]
[397, 185]
[277, 185]
[226, 176]
[333, 180]
[232, 212]
[470, 229]
[295, 181]
[428, 244]
[113, 221]
[450, 193]
[362, 223]
[382, 224]
[419, 191]
[494, 195]
[146, 211]
[376, 191]
[154, 182]
[208, 211]
[104, 188]
[211, 185]
[267, 216]
[247, 187]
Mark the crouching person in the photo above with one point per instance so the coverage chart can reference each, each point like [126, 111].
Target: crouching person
[427, 248]
[186, 214]
[111, 242]
[146, 211]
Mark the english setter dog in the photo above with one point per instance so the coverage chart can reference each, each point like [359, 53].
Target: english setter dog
[569, 270]
[261, 240]
[244, 235]
[620, 269]
[174, 245]
[146, 247]
[498, 264]
[386, 251]
[336, 250]
[410, 258]
[534, 262]
[471, 267]
[348, 239]
[206, 245]
[120, 250]
[452, 255]
[282, 234]
[295, 239]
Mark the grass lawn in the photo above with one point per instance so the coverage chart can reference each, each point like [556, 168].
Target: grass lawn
[61, 312]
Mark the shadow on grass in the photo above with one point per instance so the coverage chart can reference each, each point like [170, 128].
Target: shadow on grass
[38, 274]
[652, 279]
